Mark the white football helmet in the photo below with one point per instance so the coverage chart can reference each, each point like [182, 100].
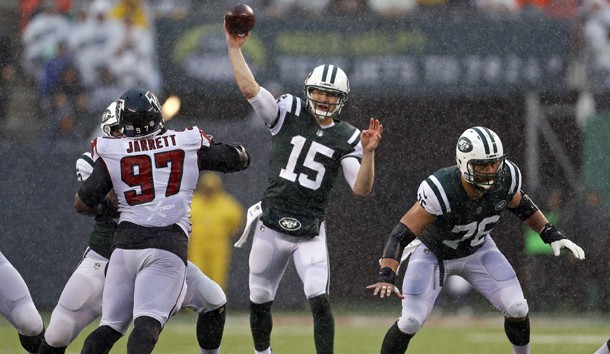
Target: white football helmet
[328, 78]
[109, 119]
[480, 146]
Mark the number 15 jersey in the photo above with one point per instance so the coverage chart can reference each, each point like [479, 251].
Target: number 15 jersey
[305, 159]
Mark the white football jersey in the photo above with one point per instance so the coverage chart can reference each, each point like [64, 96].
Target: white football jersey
[154, 178]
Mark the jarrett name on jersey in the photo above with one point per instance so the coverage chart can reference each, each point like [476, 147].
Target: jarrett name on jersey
[150, 160]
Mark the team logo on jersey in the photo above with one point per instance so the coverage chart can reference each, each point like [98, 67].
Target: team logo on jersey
[478, 210]
[464, 144]
[290, 224]
[320, 132]
[501, 205]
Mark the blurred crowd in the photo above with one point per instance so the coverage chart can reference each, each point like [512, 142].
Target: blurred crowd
[81, 54]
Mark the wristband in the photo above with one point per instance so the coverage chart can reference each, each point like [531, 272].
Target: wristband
[386, 275]
[549, 234]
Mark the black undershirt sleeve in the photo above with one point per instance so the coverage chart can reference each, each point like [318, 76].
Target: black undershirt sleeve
[95, 188]
[223, 157]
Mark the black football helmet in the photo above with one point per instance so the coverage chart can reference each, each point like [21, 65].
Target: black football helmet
[139, 114]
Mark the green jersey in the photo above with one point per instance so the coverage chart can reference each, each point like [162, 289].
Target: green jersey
[462, 225]
[305, 159]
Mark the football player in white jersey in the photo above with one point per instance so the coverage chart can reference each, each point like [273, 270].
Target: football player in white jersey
[309, 147]
[447, 232]
[81, 300]
[153, 172]
[17, 307]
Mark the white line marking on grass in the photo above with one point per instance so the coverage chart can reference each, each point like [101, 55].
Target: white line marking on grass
[542, 338]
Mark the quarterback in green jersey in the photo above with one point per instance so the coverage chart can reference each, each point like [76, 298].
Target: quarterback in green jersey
[447, 232]
[309, 147]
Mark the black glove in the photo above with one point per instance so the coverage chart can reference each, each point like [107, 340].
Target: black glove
[386, 275]
[550, 234]
[106, 208]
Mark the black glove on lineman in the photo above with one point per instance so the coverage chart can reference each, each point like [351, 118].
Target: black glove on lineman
[386, 275]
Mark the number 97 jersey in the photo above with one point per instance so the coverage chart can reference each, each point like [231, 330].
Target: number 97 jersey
[462, 225]
[154, 178]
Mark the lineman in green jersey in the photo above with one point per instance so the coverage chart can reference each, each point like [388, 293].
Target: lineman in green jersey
[309, 146]
[447, 232]
[81, 299]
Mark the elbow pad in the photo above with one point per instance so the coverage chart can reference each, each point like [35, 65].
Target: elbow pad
[224, 158]
[525, 209]
[399, 238]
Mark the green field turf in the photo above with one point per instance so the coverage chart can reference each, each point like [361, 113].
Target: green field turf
[292, 334]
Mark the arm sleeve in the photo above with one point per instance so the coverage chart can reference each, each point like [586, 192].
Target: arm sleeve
[265, 106]
[223, 157]
[95, 188]
[351, 166]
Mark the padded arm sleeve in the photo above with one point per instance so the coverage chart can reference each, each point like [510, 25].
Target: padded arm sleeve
[399, 238]
[223, 157]
[525, 209]
[94, 189]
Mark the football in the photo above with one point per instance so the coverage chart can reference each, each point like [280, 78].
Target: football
[240, 19]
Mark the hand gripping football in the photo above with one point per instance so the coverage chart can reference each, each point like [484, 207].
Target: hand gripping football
[240, 19]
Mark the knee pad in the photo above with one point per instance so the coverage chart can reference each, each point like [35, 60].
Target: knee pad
[409, 325]
[27, 319]
[518, 309]
[61, 328]
[260, 295]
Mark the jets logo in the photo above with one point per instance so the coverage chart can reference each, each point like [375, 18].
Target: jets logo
[501, 205]
[106, 116]
[290, 224]
[464, 145]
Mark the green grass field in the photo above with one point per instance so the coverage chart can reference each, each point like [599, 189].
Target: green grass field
[355, 334]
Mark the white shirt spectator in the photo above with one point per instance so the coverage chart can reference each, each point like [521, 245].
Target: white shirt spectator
[95, 41]
[133, 61]
[41, 37]
[392, 8]
[597, 32]
[497, 6]
[279, 8]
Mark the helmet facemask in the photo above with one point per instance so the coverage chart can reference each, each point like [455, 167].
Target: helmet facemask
[485, 181]
[109, 120]
[480, 158]
[333, 109]
[330, 79]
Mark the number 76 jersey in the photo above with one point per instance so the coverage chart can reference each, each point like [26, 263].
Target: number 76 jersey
[154, 178]
[462, 225]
